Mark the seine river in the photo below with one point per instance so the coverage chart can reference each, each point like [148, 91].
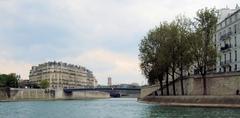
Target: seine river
[107, 108]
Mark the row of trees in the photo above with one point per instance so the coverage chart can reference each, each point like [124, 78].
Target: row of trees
[12, 80]
[170, 49]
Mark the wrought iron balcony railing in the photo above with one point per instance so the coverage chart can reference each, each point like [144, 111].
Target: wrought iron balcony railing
[227, 46]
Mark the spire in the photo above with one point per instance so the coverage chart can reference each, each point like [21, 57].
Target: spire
[237, 7]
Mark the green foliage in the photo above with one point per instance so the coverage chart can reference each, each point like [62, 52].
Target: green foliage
[8, 80]
[165, 47]
[175, 46]
[151, 52]
[203, 47]
[44, 84]
[204, 51]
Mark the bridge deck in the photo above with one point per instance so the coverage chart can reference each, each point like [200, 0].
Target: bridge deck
[99, 89]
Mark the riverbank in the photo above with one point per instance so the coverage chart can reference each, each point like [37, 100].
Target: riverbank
[194, 101]
[19, 94]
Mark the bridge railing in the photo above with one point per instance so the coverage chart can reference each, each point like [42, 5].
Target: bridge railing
[98, 89]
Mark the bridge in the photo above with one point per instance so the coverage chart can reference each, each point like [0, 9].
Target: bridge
[114, 92]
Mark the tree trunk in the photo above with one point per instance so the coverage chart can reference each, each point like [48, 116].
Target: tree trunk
[173, 81]
[181, 75]
[161, 86]
[167, 83]
[204, 84]
[155, 93]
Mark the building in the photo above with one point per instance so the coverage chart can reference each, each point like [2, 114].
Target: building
[62, 75]
[227, 40]
[109, 81]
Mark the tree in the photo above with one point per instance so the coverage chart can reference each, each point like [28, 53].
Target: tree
[202, 45]
[163, 50]
[44, 84]
[9, 80]
[185, 57]
[172, 47]
[174, 51]
[154, 65]
[147, 57]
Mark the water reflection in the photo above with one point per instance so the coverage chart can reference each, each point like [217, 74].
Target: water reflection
[107, 108]
[156, 111]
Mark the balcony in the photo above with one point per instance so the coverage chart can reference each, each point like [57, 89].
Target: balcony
[226, 36]
[229, 33]
[227, 46]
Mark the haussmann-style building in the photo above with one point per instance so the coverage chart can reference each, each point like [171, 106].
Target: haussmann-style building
[62, 75]
[227, 40]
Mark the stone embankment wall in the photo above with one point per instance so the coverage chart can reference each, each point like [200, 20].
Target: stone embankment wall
[89, 95]
[81, 95]
[15, 94]
[221, 92]
[3, 93]
[24, 94]
[198, 101]
[224, 84]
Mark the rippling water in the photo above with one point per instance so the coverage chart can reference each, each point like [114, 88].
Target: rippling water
[107, 108]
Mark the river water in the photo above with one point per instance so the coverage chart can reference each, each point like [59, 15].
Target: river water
[107, 108]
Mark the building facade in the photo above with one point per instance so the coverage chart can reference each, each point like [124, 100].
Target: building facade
[227, 40]
[62, 75]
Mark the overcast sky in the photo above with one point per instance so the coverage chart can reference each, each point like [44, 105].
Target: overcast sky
[102, 35]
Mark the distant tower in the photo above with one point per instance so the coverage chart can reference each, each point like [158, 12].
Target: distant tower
[109, 81]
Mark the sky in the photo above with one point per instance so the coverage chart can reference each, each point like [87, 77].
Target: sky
[101, 35]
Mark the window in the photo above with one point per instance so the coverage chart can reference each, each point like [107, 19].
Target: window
[230, 56]
[235, 41]
[235, 55]
[229, 29]
[235, 28]
[235, 67]
[225, 58]
[220, 58]
[230, 68]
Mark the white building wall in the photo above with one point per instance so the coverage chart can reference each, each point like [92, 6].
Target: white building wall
[226, 61]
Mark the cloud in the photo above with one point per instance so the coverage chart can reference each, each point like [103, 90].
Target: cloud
[104, 63]
[102, 35]
[14, 66]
